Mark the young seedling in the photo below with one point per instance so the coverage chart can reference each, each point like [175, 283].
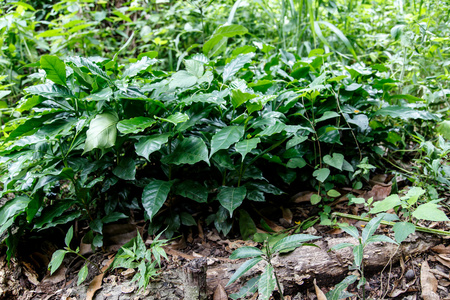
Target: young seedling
[268, 280]
[367, 237]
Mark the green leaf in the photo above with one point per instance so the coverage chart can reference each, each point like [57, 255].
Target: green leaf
[194, 67]
[338, 33]
[246, 252]
[12, 208]
[293, 241]
[154, 195]
[246, 225]
[335, 294]
[413, 195]
[192, 190]
[337, 160]
[274, 129]
[249, 288]
[56, 261]
[191, 150]
[149, 144]
[231, 30]
[352, 230]
[49, 90]
[239, 97]
[380, 238]
[295, 141]
[244, 268]
[296, 162]
[370, 228]
[214, 45]
[231, 197]
[182, 79]
[176, 118]
[134, 68]
[358, 253]
[225, 137]
[69, 236]
[430, 212]
[83, 274]
[87, 63]
[102, 132]
[444, 129]
[187, 219]
[405, 113]
[54, 68]
[245, 146]
[235, 65]
[321, 174]
[386, 204]
[341, 246]
[266, 283]
[315, 198]
[134, 125]
[327, 115]
[402, 230]
[333, 193]
[126, 169]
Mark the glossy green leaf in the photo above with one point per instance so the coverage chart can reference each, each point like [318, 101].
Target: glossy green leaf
[135, 125]
[293, 241]
[296, 140]
[126, 169]
[192, 190]
[92, 67]
[49, 90]
[190, 151]
[231, 30]
[266, 283]
[12, 208]
[149, 144]
[54, 68]
[231, 197]
[226, 137]
[327, 115]
[333, 193]
[247, 145]
[402, 230]
[352, 230]
[274, 129]
[321, 174]
[246, 266]
[235, 65]
[187, 219]
[444, 129]
[102, 132]
[430, 211]
[315, 199]
[214, 45]
[341, 246]
[335, 294]
[176, 118]
[239, 97]
[405, 113]
[154, 195]
[194, 67]
[358, 253]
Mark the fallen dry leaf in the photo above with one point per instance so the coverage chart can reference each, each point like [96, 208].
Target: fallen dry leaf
[320, 295]
[302, 197]
[56, 277]
[428, 283]
[441, 249]
[378, 192]
[443, 259]
[287, 215]
[219, 293]
[96, 283]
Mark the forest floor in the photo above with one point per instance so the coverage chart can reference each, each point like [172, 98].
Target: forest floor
[418, 269]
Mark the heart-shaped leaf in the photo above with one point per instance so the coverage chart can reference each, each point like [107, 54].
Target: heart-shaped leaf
[337, 160]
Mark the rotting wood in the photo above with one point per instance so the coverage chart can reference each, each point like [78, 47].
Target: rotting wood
[194, 281]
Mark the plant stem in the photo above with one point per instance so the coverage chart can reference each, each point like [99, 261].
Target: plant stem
[418, 228]
[278, 285]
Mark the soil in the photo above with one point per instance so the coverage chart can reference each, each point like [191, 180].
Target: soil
[418, 269]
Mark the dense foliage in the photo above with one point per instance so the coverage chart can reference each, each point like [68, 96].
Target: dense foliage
[169, 109]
